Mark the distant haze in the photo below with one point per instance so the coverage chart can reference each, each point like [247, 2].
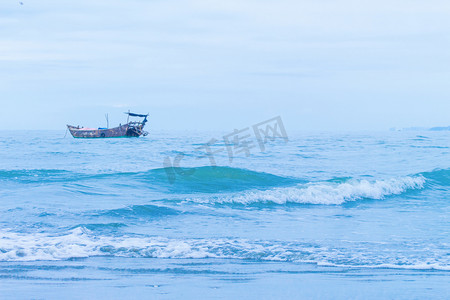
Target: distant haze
[325, 65]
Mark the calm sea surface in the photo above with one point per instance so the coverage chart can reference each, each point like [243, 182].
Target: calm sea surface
[325, 215]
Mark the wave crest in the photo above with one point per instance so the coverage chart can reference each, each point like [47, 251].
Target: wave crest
[327, 193]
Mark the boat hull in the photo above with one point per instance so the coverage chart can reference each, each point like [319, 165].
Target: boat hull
[120, 131]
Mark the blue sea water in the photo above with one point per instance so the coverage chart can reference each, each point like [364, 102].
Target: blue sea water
[323, 216]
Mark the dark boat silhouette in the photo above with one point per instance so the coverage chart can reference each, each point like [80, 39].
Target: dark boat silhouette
[130, 129]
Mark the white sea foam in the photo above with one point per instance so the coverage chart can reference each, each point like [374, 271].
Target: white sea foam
[323, 192]
[81, 243]
[413, 266]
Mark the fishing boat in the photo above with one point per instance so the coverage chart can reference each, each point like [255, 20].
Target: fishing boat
[130, 129]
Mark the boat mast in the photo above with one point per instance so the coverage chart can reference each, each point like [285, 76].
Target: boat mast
[107, 121]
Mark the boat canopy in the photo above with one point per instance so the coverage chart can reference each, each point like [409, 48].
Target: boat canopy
[136, 115]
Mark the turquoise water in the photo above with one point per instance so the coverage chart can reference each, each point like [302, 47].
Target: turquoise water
[325, 215]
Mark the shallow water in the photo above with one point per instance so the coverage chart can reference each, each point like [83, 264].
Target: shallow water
[362, 215]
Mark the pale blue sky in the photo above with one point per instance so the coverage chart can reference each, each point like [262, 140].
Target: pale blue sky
[320, 64]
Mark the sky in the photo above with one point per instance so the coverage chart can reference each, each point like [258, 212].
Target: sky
[197, 64]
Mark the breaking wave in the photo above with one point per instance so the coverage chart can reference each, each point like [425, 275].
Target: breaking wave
[82, 243]
[230, 185]
[327, 192]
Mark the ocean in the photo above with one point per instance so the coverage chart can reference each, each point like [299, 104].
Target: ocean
[184, 214]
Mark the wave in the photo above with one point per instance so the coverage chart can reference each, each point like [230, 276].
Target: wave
[328, 192]
[233, 185]
[82, 243]
[35, 175]
[103, 226]
[439, 177]
[198, 179]
[137, 211]
[215, 179]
